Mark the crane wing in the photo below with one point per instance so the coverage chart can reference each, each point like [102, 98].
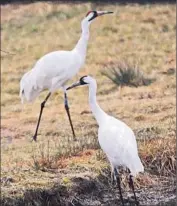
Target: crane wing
[59, 63]
[118, 141]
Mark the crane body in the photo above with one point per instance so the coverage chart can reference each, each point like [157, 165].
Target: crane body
[40, 77]
[53, 70]
[116, 139]
[118, 142]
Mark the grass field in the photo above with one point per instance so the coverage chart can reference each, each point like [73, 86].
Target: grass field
[142, 34]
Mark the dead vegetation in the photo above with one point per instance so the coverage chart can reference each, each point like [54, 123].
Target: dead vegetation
[125, 74]
[159, 156]
[46, 172]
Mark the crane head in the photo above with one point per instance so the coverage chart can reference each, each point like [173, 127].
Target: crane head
[83, 81]
[93, 14]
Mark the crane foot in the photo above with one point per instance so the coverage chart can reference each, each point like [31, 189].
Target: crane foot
[34, 137]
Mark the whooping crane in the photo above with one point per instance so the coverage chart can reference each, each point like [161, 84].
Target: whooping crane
[116, 139]
[54, 69]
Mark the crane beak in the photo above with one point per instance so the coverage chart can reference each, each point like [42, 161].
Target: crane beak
[100, 13]
[74, 85]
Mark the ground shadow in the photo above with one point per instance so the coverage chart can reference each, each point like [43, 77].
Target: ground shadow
[86, 191]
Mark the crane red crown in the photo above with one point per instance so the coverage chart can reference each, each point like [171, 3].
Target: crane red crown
[88, 13]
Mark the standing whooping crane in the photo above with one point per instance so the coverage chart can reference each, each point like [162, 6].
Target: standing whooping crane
[53, 70]
[116, 139]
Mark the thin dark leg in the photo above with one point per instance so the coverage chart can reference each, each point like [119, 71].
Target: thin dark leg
[39, 119]
[112, 178]
[69, 116]
[119, 186]
[133, 189]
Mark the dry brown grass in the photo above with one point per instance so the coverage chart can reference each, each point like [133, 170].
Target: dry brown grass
[126, 74]
[159, 156]
[145, 33]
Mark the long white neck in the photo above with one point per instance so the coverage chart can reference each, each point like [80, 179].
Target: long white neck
[98, 113]
[81, 45]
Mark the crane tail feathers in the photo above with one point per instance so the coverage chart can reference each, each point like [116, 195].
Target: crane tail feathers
[135, 169]
[135, 172]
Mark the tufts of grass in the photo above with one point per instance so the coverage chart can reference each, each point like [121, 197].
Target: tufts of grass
[159, 156]
[125, 74]
[47, 155]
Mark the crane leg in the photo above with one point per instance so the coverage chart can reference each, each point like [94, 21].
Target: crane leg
[69, 116]
[118, 184]
[131, 185]
[39, 119]
[113, 178]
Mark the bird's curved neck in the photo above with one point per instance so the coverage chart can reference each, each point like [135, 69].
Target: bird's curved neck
[98, 113]
[81, 45]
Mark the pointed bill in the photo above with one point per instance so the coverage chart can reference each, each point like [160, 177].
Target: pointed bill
[76, 84]
[100, 13]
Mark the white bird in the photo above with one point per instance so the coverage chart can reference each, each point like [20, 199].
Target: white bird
[116, 139]
[53, 70]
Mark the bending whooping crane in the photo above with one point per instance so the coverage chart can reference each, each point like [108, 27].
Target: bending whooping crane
[53, 70]
[116, 139]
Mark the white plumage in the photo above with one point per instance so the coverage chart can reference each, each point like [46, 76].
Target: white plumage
[115, 138]
[118, 142]
[53, 70]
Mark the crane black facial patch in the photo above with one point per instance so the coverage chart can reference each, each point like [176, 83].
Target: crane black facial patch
[94, 15]
[82, 80]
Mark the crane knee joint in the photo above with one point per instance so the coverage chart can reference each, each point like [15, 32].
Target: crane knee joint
[43, 104]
